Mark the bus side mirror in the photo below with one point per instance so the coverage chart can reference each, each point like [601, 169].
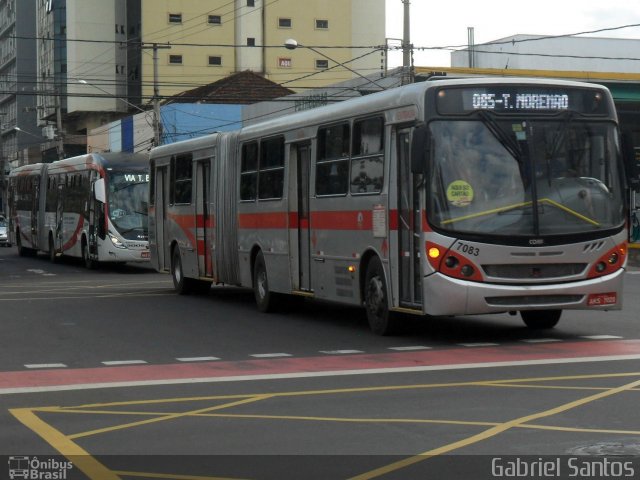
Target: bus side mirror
[99, 190]
[631, 161]
[420, 149]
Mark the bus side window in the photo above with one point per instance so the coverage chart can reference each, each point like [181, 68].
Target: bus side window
[332, 167]
[271, 171]
[367, 162]
[249, 172]
[182, 166]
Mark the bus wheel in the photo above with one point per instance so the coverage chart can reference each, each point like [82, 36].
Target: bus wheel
[88, 262]
[541, 319]
[180, 283]
[266, 300]
[376, 300]
[21, 250]
[52, 250]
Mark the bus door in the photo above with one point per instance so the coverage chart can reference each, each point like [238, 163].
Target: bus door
[94, 218]
[35, 208]
[202, 220]
[59, 220]
[301, 152]
[408, 224]
[162, 199]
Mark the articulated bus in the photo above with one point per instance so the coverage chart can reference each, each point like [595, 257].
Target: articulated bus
[442, 198]
[93, 207]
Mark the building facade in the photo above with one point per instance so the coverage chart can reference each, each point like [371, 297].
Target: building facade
[85, 72]
[212, 39]
[17, 84]
[100, 60]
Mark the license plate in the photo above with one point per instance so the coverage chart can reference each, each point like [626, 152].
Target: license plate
[599, 299]
[146, 254]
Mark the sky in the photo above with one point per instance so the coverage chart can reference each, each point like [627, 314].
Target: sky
[440, 23]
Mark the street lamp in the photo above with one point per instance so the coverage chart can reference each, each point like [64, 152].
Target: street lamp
[18, 129]
[292, 44]
[84, 82]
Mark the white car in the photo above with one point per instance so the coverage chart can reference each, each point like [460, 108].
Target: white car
[4, 232]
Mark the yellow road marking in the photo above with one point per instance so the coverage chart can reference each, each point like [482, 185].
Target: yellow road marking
[488, 383]
[493, 431]
[343, 419]
[77, 455]
[580, 430]
[65, 444]
[170, 416]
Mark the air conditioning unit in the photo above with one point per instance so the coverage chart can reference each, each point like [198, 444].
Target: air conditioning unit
[49, 132]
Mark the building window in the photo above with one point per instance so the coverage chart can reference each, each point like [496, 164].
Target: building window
[322, 64]
[284, 23]
[175, 18]
[251, 42]
[215, 20]
[251, 3]
[175, 59]
[215, 60]
[322, 24]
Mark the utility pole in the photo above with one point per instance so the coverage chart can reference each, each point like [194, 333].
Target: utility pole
[156, 92]
[406, 44]
[59, 132]
[2, 167]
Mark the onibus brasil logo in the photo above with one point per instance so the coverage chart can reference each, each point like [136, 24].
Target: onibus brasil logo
[32, 468]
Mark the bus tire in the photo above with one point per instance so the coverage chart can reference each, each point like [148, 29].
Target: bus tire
[541, 319]
[89, 263]
[52, 250]
[266, 300]
[21, 250]
[181, 284]
[376, 300]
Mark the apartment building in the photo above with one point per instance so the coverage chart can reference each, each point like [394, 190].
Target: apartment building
[211, 39]
[17, 84]
[86, 74]
[99, 60]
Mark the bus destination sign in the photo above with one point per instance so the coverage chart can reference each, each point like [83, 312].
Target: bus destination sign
[517, 99]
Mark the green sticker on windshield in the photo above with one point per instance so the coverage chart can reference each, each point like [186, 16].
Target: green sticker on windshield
[460, 193]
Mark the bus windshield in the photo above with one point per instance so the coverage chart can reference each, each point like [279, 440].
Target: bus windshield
[509, 177]
[128, 203]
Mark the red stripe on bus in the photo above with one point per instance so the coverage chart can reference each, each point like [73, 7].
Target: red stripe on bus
[268, 220]
[327, 220]
[74, 238]
[189, 221]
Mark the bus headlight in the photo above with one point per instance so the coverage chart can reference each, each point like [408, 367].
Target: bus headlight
[610, 262]
[116, 242]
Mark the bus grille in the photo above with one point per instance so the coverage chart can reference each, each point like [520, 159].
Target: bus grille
[533, 300]
[535, 271]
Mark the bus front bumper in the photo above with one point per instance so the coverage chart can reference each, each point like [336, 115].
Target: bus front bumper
[451, 296]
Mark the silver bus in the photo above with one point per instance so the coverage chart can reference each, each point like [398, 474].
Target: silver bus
[93, 207]
[442, 198]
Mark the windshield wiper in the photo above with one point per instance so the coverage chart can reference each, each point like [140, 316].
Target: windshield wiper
[505, 140]
[558, 141]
